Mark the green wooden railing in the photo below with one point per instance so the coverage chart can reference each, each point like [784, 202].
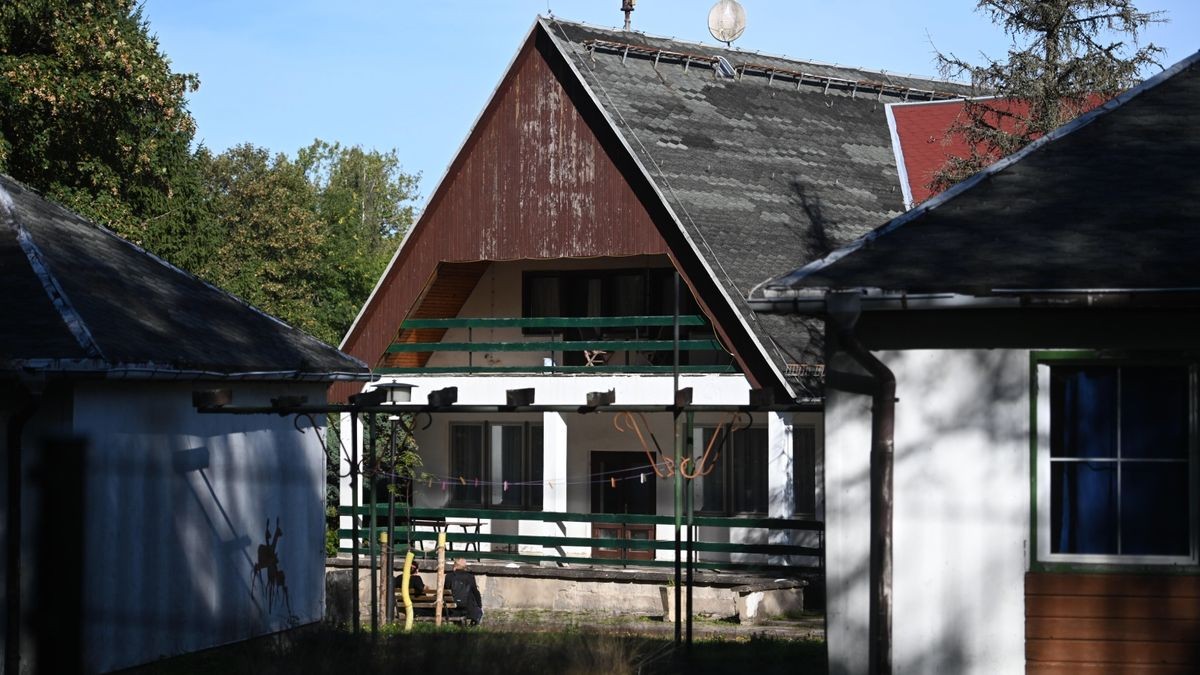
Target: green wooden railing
[424, 537]
[557, 322]
[617, 343]
[572, 345]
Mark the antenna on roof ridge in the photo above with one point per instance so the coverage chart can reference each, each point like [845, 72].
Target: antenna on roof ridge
[726, 21]
[627, 7]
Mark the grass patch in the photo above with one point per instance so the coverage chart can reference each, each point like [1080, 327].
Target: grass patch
[568, 651]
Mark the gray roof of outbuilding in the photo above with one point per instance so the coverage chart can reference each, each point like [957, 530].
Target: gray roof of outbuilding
[1108, 202]
[764, 172]
[75, 297]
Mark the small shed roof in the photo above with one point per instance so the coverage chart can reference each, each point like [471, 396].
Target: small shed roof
[1110, 201]
[75, 297]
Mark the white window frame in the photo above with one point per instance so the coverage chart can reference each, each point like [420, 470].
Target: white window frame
[1042, 488]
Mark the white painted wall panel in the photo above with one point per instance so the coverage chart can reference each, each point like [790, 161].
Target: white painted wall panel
[961, 514]
[179, 505]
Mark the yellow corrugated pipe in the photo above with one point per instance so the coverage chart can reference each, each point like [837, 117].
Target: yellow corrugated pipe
[408, 610]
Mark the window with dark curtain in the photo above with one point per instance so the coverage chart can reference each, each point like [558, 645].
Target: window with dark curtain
[738, 481]
[804, 470]
[504, 459]
[507, 450]
[466, 462]
[712, 486]
[1119, 449]
[542, 296]
[749, 480]
[533, 491]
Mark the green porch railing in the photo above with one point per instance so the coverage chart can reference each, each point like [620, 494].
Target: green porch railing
[592, 339]
[458, 517]
[555, 346]
[656, 321]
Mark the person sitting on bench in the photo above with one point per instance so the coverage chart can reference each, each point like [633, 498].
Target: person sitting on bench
[466, 594]
[416, 587]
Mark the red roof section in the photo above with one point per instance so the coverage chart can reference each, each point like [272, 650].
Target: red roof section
[922, 143]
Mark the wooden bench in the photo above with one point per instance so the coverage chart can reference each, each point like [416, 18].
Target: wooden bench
[425, 607]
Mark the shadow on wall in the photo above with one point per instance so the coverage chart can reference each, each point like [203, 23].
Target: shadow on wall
[961, 491]
[170, 563]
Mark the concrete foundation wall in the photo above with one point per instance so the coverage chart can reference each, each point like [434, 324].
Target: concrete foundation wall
[651, 597]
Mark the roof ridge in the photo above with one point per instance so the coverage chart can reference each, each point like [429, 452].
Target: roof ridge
[738, 50]
[790, 279]
[54, 291]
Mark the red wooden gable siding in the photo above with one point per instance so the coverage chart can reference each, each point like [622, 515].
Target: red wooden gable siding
[1112, 623]
[532, 182]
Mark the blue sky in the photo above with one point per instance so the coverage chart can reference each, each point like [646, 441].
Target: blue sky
[414, 74]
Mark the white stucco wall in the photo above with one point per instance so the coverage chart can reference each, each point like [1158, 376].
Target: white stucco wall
[178, 506]
[961, 513]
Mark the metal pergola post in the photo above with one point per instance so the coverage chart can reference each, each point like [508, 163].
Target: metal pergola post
[678, 469]
[354, 521]
[390, 556]
[690, 499]
[373, 544]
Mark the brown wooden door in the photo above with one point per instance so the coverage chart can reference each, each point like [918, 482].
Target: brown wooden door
[619, 488]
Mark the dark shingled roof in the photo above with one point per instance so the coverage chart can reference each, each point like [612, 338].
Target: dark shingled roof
[765, 171]
[76, 297]
[1110, 201]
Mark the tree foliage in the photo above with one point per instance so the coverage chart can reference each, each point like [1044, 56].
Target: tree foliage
[92, 115]
[364, 199]
[270, 236]
[1066, 56]
[306, 238]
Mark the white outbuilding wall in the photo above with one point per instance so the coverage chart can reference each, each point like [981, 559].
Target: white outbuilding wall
[961, 513]
[179, 505]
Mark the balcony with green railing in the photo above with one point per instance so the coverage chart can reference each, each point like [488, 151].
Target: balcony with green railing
[546, 345]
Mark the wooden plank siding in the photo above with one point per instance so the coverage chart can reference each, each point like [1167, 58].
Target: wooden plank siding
[444, 296]
[531, 182]
[1112, 623]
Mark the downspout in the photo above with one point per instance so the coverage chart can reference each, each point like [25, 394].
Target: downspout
[843, 311]
[12, 570]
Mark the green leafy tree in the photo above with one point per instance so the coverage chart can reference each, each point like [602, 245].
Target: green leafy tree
[92, 115]
[270, 236]
[306, 238]
[1066, 56]
[364, 201]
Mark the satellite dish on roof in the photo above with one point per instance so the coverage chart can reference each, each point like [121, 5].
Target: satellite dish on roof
[726, 21]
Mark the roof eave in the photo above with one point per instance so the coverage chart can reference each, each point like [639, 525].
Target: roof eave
[93, 368]
[814, 301]
[794, 278]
